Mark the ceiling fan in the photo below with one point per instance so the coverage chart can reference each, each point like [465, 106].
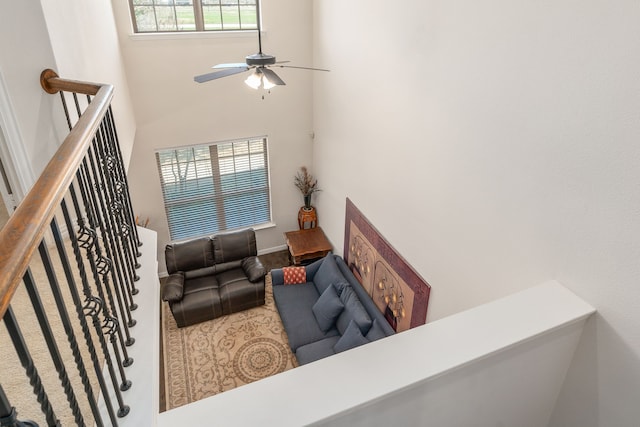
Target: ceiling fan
[262, 75]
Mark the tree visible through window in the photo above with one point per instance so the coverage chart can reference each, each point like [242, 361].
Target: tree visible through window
[217, 187]
[151, 16]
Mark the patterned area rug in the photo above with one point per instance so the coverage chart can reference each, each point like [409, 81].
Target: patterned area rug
[221, 354]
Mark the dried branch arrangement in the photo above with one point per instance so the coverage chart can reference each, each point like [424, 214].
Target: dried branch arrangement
[305, 182]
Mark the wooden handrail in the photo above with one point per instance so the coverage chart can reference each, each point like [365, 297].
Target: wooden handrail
[24, 231]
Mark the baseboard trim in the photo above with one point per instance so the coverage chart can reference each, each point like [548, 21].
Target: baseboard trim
[273, 249]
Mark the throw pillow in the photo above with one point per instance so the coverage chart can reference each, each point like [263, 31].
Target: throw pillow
[294, 275]
[327, 309]
[353, 310]
[352, 338]
[340, 285]
[376, 332]
[327, 274]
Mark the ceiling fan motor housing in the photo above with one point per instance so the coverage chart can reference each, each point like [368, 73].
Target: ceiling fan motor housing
[260, 59]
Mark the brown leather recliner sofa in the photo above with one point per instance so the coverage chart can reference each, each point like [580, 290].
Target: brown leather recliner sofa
[213, 276]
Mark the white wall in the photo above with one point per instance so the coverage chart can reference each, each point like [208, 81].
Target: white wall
[495, 145]
[172, 110]
[85, 45]
[78, 40]
[26, 51]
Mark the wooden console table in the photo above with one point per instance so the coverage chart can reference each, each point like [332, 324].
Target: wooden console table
[307, 244]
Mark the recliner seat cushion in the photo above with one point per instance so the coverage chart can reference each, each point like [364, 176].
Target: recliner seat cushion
[197, 307]
[199, 284]
[237, 292]
[201, 272]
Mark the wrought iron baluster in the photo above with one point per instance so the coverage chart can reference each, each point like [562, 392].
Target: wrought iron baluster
[112, 177]
[9, 415]
[89, 198]
[64, 259]
[114, 221]
[82, 313]
[26, 361]
[109, 226]
[110, 326]
[113, 173]
[95, 305]
[49, 337]
[115, 144]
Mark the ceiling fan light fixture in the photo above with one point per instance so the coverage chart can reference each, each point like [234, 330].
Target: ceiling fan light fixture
[254, 80]
[266, 83]
[262, 75]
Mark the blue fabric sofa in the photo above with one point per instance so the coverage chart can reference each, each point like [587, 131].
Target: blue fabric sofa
[329, 313]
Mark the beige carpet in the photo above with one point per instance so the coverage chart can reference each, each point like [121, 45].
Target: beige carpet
[221, 354]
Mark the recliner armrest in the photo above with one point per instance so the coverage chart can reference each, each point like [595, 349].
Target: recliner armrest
[173, 288]
[253, 268]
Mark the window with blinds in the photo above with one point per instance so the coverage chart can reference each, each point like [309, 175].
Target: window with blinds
[154, 16]
[212, 188]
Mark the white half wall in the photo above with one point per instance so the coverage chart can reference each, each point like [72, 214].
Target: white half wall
[499, 364]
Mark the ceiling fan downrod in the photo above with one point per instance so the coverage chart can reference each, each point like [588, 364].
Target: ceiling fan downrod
[259, 59]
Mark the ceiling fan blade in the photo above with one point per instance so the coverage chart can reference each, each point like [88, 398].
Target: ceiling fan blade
[273, 77]
[302, 68]
[231, 65]
[218, 74]
[282, 62]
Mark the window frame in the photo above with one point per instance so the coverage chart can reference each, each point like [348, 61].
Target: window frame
[199, 21]
[220, 220]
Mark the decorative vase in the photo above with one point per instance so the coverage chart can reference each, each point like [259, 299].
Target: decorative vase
[307, 202]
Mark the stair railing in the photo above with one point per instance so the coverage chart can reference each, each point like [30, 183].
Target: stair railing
[77, 227]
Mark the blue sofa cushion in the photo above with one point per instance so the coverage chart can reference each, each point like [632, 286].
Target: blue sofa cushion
[316, 350]
[365, 299]
[327, 308]
[295, 304]
[327, 274]
[353, 310]
[340, 285]
[376, 332]
[351, 338]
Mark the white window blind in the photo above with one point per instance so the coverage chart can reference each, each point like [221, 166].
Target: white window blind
[212, 188]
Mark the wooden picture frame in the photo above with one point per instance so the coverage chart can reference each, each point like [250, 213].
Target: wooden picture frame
[400, 293]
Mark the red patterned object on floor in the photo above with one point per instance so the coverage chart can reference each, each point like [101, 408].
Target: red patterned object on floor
[294, 275]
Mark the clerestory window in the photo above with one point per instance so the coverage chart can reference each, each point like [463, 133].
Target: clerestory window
[215, 187]
[153, 16]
